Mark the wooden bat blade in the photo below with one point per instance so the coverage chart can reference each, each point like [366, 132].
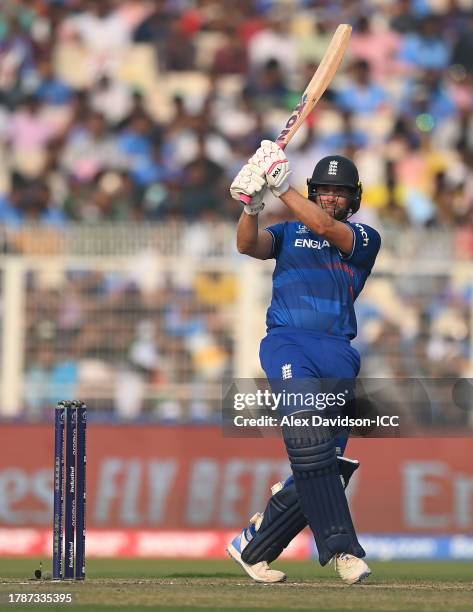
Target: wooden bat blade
[318, 84]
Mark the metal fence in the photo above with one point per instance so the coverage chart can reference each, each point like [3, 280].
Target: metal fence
[147, 324]
[216, 239]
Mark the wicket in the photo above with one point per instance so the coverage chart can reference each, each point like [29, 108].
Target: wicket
[69, 490]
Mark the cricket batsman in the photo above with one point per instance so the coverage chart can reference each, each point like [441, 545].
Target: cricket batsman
[322, 263]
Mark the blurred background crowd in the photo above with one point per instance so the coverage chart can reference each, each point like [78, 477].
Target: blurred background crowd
[122, 124]
[145, 109]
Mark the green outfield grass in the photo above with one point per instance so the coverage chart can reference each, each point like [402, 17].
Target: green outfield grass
[220, 585]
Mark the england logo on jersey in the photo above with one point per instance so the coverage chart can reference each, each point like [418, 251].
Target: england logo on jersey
[333, 168]
[302, 229]
[310, 243]
[286, 371]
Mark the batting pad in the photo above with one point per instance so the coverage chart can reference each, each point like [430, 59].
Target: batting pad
[283, 519]
[312, 454]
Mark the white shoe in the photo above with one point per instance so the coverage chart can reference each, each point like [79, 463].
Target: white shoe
[351, 569]
[260, 572]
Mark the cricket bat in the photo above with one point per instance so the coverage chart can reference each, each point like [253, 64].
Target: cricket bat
[322, 78]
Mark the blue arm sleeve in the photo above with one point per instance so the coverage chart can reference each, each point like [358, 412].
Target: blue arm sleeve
[366, 244]
[277, 232]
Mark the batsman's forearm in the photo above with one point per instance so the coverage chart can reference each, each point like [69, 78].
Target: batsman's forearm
[247, 232]
[306, 211]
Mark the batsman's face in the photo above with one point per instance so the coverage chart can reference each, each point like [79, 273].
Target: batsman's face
[334, 200]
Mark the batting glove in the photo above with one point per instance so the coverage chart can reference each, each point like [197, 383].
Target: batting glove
[271, 160]
[249, 182]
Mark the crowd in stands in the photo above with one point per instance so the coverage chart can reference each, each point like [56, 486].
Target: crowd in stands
[159, 349]
[119, 343]
[144, 110]
[121, 110]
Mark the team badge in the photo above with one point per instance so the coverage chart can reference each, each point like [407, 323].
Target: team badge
[333, 168]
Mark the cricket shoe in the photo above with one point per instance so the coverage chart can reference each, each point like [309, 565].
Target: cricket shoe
[260, 572]
[350, 569]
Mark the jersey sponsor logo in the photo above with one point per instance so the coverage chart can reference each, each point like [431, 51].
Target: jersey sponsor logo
[333, 168]
[310, 243]
[363, 233]
[302, 229]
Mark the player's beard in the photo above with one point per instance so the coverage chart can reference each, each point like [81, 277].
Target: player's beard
[332, 207]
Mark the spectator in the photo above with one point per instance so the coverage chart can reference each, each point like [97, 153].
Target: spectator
[135, 144]
[143, 361]
[112, 99]
[403, 20]
[231, 57]
[91, 148]
[51, 89]
[154, 27]
[30, 129]
[202, 188]
[10, 206]
[36, 206]
[178, 52]
[427, 99]
[455, 17]
[347, 136]
[425, 49]
[462, 54]
[275, 42]
[16, 60]
[104, 33]
[267, 88]
[49, 379]
[361, 95]
[377, 47]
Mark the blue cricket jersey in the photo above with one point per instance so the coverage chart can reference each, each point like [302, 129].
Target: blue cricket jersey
[314, 284]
